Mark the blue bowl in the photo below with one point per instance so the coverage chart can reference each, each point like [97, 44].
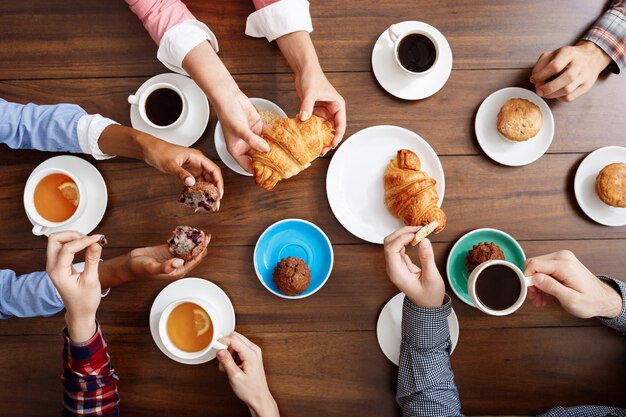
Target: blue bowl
[298, 238]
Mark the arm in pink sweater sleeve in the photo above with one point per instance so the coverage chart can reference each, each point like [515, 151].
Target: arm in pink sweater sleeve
[158, 16]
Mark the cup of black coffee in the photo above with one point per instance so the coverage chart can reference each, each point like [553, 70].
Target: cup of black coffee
[416, 52]
[161, 105]
[498, 287]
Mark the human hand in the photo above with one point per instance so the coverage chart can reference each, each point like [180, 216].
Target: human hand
[156, 262]
[580, 293]
[319, 97]
[242, 127]
[185, 163]
[424, 286]
[577, 68]
[243, 363]
[80, 292]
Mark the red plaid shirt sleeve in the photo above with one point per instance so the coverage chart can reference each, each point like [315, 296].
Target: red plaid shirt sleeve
[609, 33]
[89, 379]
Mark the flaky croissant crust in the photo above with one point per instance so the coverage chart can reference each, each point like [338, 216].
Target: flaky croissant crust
[410, 193]
[294, 144]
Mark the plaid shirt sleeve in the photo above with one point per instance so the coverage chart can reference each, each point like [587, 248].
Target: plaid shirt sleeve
[618, 323]
[609, 33]
[89, 379]
[425, 380]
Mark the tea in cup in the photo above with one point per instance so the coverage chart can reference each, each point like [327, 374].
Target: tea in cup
[161, 105]
[415, 51]
[188, 328]
[52, 198]
[498, 287]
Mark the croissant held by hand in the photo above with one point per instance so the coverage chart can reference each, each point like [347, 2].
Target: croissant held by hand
[294, 144]
[410, 193]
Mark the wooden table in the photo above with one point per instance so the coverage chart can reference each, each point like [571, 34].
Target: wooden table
[321, 353]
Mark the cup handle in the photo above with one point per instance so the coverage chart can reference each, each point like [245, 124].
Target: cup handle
[393, 32]
[39, 230]
[133, 99]
[219, 346]
[529, 281]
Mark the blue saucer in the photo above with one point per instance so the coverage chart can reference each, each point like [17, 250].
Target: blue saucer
[297, 238]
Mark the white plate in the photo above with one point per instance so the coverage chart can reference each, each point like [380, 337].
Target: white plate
[585, 186]
[389, 328]
[354, 182]
[504, 151]
[220, 144]
[193, 127]
[195, 287]
[401, 84]
[93, 182]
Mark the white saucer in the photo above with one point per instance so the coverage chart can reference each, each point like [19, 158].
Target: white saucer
[389, 328]
[195, 287]
[585, 186]
[197, 117]
[220, 144]
[401, 84]
[93, 182]
[354, 182]
[504, 151]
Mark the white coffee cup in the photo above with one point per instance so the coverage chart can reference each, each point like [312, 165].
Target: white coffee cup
[215, 322]
[396, 36]
[42, 226]
[140, 102]
[525, 282]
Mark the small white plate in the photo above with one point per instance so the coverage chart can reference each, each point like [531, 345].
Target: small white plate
[389, 328]
[220, 144]
[193, 127]
[401, 84]
[504, 151]
[97, 196]
[585, 186]
[354, 182]
[195, 287]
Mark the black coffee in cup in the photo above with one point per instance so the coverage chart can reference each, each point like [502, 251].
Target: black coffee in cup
[498, 287]
[417, 53]
[164, 106]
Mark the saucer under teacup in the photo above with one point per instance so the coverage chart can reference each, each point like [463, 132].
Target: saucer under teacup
[456, 268]
[189, 130]
[198, 288]
[220, 144]
[389, 328]
[92, 182]
[502, 150]
[395, 80]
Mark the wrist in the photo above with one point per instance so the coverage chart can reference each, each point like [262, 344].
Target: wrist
[600, 58]
[299, 52]
[264, 406]
[613, 303]
[80, 327]
[116, 271]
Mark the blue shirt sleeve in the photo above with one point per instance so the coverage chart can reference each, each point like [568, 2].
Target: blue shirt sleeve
[28, 295]
[45, 128]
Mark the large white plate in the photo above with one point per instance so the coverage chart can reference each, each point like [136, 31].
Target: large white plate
[354, 182]
[585, 186]
[389, 328]
[504, 151]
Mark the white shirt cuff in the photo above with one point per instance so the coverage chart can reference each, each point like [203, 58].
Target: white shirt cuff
[278, 19]
[180, 39]
[89, 129]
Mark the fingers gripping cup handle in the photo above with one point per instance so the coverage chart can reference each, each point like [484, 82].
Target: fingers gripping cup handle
[528, 281]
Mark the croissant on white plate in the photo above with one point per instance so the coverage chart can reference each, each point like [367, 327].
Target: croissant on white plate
[410, 193]
[294, 144]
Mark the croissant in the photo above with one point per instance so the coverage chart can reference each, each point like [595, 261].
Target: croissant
[294, 144]
[410, 193]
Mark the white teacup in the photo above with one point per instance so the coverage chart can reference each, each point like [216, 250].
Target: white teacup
[215, 322]
[475, 276]
[42, 226]
[397, 36]
[140, 102]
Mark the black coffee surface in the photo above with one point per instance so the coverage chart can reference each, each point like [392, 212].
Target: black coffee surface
[417, 52]
[498, 287]
[164, 106]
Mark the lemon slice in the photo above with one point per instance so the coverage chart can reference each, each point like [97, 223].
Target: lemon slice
[69, 190]
[201, 320]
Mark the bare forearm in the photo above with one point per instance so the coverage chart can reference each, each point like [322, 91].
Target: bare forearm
[114, 272]
[123, 141]
[299, 52]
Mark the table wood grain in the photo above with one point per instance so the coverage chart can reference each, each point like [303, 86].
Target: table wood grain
[321, 353]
